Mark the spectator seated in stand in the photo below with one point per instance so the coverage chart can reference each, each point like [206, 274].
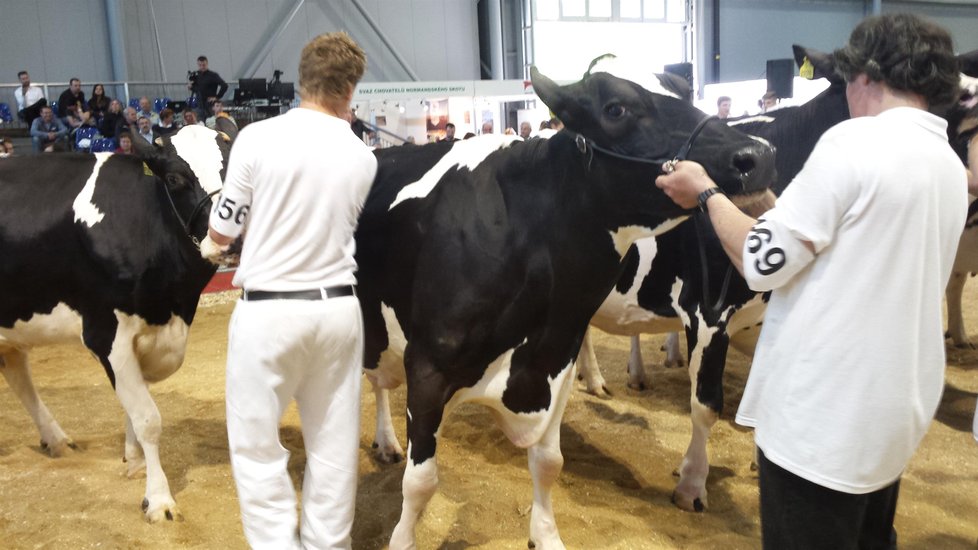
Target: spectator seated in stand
[125, 145]
[166, 126]
[110, 120]
[6, 148]
[48, 132]
[146, 110]
[72, 108]
[99, 103]
[127, 124]
[190, 119]
[30, 99]
[143, 130]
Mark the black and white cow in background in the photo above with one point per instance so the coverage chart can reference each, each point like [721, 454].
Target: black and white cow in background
[962, 131]
[665, 277]
[92, 247]
[487, 257]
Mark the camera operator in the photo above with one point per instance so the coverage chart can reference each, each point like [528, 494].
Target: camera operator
[207, 85]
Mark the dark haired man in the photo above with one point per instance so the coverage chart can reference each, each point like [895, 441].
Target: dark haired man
[723, 107]
[207, 85]
[842, 387]
[30, 99]
[72, 108]
[449, 133]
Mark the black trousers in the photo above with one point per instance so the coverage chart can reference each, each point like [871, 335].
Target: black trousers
[797, 514]
[29, 113]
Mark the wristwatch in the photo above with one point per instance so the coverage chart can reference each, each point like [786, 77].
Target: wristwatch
[705, 195]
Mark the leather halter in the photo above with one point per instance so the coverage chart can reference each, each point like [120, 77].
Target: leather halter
[583, 144]
[193, 215]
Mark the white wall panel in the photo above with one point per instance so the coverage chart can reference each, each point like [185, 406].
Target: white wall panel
[429, 21]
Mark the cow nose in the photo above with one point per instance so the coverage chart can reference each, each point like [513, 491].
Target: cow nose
[755, 164]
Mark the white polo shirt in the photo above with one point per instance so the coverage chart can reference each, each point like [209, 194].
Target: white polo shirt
[295, 185]
[849, 368]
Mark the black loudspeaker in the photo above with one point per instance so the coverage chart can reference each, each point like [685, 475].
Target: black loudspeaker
[684, 70]
[780, 77]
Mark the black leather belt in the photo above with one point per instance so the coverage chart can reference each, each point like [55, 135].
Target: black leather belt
[313, 294]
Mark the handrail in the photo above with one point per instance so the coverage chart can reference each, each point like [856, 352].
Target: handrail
[379, 130]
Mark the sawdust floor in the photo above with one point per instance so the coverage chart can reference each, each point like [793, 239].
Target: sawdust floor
[614, 491]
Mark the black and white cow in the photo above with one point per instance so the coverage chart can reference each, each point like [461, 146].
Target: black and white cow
[963, 132]
[486, 258]
[685, 273]
[95, 246]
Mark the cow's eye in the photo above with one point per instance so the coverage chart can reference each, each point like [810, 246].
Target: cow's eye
[614, 110]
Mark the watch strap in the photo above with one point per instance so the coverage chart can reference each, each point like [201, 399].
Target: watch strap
[705, 195]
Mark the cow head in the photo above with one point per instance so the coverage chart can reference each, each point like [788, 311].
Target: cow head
[644, 116]
[962, 118]
[194, 156]
[192, 164]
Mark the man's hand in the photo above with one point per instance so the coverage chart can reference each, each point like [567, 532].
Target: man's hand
[213, 252]
[685, 182]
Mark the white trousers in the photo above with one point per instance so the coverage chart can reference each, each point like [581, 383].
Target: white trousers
[312, 351]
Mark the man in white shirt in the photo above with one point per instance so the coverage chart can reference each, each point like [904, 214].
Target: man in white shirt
[843, 385]
[30, 99]
[296, 184]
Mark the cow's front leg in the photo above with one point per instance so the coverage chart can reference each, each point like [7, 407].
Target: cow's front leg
[424, 416]
[588, 369]
[706, 363]
[17, 372]
[546, 463]
[388, 450]
[133, 394]
[133, 457]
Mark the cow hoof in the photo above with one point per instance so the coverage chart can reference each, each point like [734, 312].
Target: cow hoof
[167, 511]
[387, 455]
[688, 504]
[531, 544]
[640, 386]
[674, 364]
[58, 448]
[601, 391]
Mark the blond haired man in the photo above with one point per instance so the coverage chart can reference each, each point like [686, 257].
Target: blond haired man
[296, 184]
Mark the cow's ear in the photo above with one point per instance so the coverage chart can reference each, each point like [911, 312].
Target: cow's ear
[152, 155]
[969, 63]
[561, 102]
[820, 64]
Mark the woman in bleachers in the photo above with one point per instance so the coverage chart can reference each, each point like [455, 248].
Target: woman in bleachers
[166, 125]
[108, 122]
[99, 103]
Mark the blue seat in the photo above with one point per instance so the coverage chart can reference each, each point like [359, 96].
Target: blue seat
[104, 144]
[54, 107]
[134, 103]
[6, 116]
[193, 102]
[160, 103]
[84, 138]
